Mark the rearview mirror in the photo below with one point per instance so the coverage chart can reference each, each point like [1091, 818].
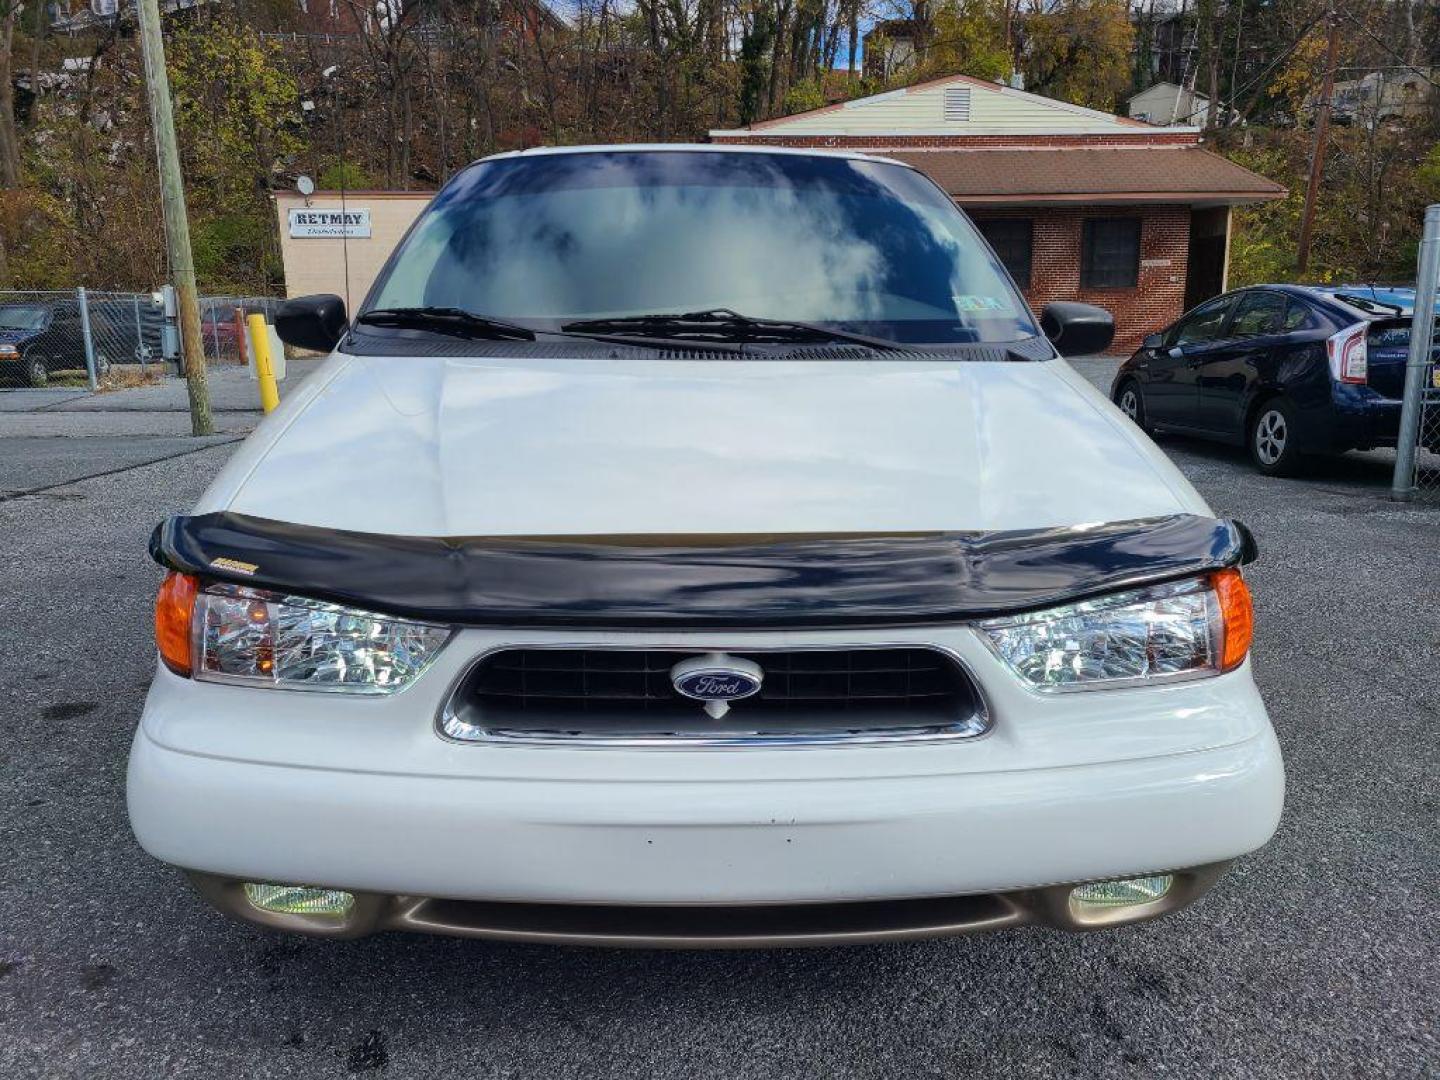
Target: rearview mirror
[1077, 329]
[312, 322]
[1153, 342]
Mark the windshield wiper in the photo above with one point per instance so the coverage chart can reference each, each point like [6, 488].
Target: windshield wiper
[1370, 303]
[722, 325]
[446, 320]
[461, 323]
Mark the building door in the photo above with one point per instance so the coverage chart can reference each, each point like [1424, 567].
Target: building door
[1205, 268]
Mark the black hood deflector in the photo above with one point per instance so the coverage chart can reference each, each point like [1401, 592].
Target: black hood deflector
[699, 581]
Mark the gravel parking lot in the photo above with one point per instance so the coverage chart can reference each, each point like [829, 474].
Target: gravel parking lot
[1318, 956]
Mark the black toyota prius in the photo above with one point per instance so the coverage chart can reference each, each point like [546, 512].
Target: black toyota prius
[1285, 370]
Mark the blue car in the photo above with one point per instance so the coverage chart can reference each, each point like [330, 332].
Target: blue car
[1284, 370]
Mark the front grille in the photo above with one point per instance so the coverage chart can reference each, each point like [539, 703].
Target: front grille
[627, 694]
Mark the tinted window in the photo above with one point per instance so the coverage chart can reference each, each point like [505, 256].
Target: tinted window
[1012, 239]
[1110, 253]
[1298, 316]
[1259, 313]
[1202, 324]
[22, 318]
[861, 245]
[1390, 337]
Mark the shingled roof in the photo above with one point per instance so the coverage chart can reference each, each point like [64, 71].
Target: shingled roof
[1089, 174]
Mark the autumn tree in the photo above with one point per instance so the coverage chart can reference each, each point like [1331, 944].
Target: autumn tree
[970, 38]
[236, 109]
[1079, 51]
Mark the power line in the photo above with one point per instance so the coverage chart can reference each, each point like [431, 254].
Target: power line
[1265, 71]
[1386, 46]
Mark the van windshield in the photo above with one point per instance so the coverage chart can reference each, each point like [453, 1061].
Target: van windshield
[865, 246]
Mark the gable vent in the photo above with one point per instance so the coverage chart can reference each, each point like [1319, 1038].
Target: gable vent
[957, 104]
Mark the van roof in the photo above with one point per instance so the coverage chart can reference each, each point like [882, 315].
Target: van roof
[692, 148]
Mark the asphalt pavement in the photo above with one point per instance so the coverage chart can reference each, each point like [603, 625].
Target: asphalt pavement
[1318, 956]
[60, 435]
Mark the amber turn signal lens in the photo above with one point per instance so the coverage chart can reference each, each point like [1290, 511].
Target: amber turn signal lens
[173, 608]
[1238, 615]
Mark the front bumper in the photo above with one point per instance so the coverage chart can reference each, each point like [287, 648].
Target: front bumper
[242, 784]
[736, 842]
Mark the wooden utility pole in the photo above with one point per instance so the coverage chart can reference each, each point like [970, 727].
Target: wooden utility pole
[177, 225]
[1322, 139]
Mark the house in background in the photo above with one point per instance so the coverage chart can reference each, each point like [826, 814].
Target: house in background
[1382, 97]
[1165, 104]
[889, 48]
[1078, 204]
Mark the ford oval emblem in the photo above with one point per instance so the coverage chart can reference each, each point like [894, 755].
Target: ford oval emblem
[717, 679]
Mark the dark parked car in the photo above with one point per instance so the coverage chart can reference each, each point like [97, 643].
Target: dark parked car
[39, 338]
[1285, 370]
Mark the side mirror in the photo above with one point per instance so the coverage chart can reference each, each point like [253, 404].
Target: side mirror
[1077, 329]
[312, 322]
[1153, 342]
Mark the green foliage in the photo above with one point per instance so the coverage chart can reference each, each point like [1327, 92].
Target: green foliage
[235, 111]
[1262, 237]
[223, 241]
[1427, 176]
[755, 49]
[344, 176]
[970, 39]
[234, 104]
[803, 96]
[1079, 51]
[1367, 215]
[36, 231]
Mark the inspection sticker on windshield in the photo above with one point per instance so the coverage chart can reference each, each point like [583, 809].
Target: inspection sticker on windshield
[968, 303]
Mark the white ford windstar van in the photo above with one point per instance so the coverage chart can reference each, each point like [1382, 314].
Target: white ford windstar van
[697, 546]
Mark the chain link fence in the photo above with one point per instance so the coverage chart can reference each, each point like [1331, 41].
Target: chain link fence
[1417, 463]
[42, 336]
[222, 324]
[125, 328]
[1427, 451]
[82, 337]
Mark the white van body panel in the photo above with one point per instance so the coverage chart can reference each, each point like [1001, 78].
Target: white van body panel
[482, 446]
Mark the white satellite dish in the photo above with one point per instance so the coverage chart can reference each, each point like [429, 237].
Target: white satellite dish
[305, 186]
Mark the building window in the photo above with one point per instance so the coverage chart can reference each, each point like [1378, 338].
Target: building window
[1011, 238]
[1110, 254]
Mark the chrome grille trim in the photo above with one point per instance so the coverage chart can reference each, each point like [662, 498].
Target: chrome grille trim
[974, 725]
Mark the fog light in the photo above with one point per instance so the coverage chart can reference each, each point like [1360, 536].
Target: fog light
[299, 900]
[1101, 896]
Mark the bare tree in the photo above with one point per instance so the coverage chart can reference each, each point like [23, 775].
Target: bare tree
[9, 137]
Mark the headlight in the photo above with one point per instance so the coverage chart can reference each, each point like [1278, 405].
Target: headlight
[252, 637]
[1181, 630]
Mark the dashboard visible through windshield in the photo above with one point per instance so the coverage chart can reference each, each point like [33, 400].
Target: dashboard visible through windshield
[554, 239]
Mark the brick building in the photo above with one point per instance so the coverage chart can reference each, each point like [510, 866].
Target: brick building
[1078, 204]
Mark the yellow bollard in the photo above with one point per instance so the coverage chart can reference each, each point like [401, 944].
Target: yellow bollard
[264, 368]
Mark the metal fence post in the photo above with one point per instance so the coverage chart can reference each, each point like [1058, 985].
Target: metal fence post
[1422, 334]
[140, 348]
[89, 340]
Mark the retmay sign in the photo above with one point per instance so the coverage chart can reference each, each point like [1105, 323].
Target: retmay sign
[330, 224]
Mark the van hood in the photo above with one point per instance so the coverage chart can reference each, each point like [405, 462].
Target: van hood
[484, 446]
